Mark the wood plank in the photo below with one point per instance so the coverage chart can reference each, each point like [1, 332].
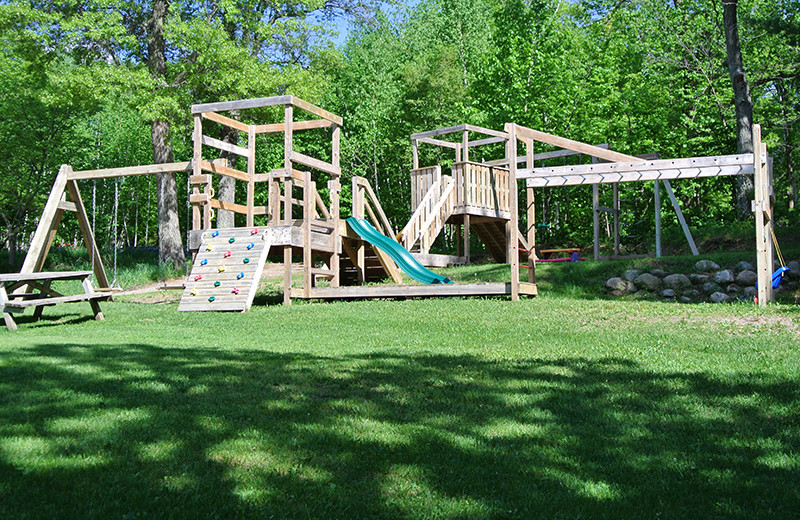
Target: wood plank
[439, 131]
[44, 275]
[634, 176]
[222, 145]
[220, 169]
[570, 144]
[315, 163]
[37, 302]
[486, 131]
[317, 111]
[555, 154]
[418, 291]
[489, 140]
[439, 142]
[240, 104]
[66, 205]
[127, 171]
[681, 218]
[296, 125]
[89, 238]
[224, 120]
[236, 208]
[40, 243]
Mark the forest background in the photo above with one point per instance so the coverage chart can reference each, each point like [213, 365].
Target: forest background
[104, 83]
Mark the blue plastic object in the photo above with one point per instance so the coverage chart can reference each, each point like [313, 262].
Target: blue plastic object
[398, 253]
[777, 276]
[215, 233]
[204, 262]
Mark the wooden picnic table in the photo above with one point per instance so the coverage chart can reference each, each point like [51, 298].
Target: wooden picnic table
[36, 291]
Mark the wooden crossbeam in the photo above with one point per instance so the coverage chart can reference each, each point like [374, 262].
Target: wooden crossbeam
[570, 144]
[663, 169]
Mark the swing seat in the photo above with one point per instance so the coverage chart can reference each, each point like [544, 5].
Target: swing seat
[777, 276]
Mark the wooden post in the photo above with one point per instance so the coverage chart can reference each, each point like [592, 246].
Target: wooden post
[531, 211]
[465, 146]
[251, 174]
[334, 187]
[358, 212]
[762, 205]
[197, 156]
[466, 238]
[88, 235]
[37, 251]
[615, 193]
[657, 204]
[596, 219]
[512, 225]
[414, 154]
[287, 201]
[309, 189]
[686, 231]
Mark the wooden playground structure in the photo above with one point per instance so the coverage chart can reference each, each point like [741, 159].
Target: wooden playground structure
[301, 221]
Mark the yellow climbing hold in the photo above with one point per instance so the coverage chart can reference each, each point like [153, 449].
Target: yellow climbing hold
[221, 269]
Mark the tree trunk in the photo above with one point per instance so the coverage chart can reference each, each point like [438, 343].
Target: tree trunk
[170, 248]
[742, 103]
[226, 189]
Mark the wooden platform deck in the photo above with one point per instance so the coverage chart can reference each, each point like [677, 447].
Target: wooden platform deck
[283, 235]
[416, 291]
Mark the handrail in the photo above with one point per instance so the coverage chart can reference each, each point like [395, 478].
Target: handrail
[441, 211]
[361, 187]
[419, 216]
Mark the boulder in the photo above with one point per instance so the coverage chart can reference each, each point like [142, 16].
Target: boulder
[720, 297]
[692, 293]
[744, 266]
[685, 299]
[711, 287]
[724, 277]
[631, 274]
[706, 266]
[733, 289]
[746, 277]
[750, 292]
[699, 279]
[648, 282]
[794, 269]
[677, 281]
[615, 284]
[668, 293]
[658, 272]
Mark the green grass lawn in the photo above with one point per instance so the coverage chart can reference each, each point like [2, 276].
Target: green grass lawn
[554, 407]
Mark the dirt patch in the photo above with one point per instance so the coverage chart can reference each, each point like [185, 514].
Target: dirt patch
[153, 293]
[741, 322]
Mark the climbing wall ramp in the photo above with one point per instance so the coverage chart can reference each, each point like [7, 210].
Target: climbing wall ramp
[227, 270]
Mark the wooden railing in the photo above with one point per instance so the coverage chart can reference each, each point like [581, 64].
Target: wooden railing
[431, 214]
[481, 189]
[364, 198]
[421, 181]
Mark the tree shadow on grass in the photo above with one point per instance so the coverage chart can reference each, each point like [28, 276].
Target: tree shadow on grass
[134, 431]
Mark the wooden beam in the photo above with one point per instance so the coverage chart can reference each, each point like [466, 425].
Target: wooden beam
[224, 120]
[486, 131]
[563, 142]
[317, 111]
[208, 166]
[681, 219]
[315, 163]
[65, 205]
[237, 208]
[512, 225]
[222, 145]
[88, 235]
[438, 142]
[146, 169]
[657, 206]
[239, 104]
[296, 125]
[555, 154]
[439, 131]
[489, 140]
[38, 247]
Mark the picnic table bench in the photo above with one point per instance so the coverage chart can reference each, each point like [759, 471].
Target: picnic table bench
[39, 294]
[546, 253]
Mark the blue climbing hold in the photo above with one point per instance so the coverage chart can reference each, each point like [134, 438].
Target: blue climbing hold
[216, 284]
[251, 245]
[215, 233]
[246, 261]
[240, 276]
[212, 298]
[204, 262]
[231, 240]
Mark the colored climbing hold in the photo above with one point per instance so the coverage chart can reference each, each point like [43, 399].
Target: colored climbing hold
[246, 261]
[212, 298]
[198, 277]
[227, 254]
[194, 292]
[209, 248]
[221, 269]
[254, 232]
[204, 262]
[231, 240]
[215, 233]
[235, 290]
[216, 284]
[240, 276]
[251, 245]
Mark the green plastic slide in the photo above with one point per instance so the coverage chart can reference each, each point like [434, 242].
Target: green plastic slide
[398, 253]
